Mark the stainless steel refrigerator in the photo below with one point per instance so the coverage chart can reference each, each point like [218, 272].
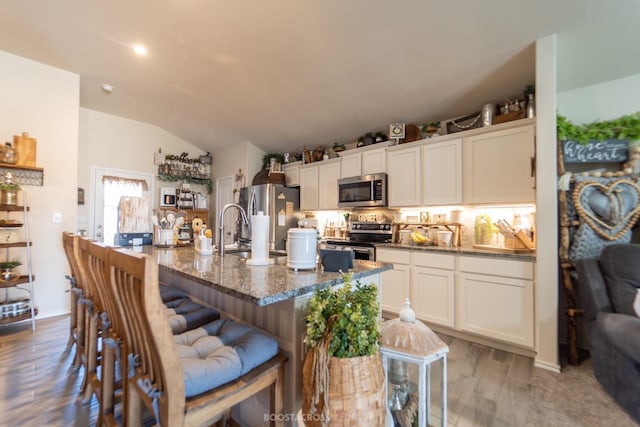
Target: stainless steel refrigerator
[282, 204]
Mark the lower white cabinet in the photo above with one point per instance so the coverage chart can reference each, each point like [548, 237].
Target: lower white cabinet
[395, 283]
[433, 288]
[496, 299]
[484, 296]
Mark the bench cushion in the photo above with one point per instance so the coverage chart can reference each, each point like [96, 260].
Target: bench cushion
[169, 293]
[220, 352]
[188, 315]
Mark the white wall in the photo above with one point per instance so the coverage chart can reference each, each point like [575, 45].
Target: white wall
[119, 143]
[44, 101]
[604, 101]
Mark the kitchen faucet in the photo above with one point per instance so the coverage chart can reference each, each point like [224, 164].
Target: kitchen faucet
[245, 220]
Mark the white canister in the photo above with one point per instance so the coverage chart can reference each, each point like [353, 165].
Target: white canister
[302, 246]
[444, 238]
[405, 237]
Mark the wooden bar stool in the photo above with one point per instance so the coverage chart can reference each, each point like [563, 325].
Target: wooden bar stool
[186, 389]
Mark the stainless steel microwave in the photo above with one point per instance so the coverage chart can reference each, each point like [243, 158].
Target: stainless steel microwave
[363, 191]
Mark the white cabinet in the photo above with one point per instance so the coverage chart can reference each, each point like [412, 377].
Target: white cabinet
[433, 287]
[319, 185]
[364, 162]
[404, 177]
[328, 175]
[442, 173]
[291, 174]
[308, 188]
[498, 166]
[496, 299]
[374, 161]
[351, 165]
[395, 283]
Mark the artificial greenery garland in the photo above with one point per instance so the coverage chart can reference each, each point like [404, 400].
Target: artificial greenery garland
[625, 127]
[354, 315]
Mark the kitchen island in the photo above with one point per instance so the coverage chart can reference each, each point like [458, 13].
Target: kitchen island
[273, 298]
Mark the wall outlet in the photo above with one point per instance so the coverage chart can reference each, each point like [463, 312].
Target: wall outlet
[57, 217]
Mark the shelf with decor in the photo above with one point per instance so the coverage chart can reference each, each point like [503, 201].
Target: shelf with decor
[174, 168]
[17, 305]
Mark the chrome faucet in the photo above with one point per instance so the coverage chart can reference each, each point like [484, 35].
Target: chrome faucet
[245, 220]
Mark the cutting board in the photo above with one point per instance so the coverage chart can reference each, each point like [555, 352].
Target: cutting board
[26, 149]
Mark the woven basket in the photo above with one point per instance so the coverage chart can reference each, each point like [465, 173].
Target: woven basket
[356, 392]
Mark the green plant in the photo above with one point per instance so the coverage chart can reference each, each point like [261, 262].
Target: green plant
[529, 89]
[624, 127]
[10, 186]
[351, 315]
[9, 264]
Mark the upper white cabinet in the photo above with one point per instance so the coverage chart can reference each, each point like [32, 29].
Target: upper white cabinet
[291, 174]
[364, 162]
[351, 165]
[498, 166]
[319, 185]
[308, 188]
[374, 161]
[442, 172]
[328, 175]
[404, 176]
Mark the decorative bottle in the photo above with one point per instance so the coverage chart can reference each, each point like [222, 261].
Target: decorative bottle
[531, 106]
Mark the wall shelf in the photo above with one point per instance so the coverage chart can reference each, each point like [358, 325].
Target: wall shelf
[24, 175]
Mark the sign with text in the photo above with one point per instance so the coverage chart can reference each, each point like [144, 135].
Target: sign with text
[608, 151]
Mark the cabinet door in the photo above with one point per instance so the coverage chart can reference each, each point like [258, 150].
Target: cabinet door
[396, 283]
[308, 188]
[291, 175]
[403, 168]
[328, 175]
[497, 307]
[395, 287]
[351, 165]
[433, 296]
[442, 173]
[374, 161]
[499, 167]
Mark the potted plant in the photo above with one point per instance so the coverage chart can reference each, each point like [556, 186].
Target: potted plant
[7, 272]
[9, 192]
[343, 378]
[338, 147]
[430, 128]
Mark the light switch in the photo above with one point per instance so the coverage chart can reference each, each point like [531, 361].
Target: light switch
[57, 217]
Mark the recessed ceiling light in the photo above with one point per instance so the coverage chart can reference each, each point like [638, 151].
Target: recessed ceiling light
[140, 49]
[107, 88]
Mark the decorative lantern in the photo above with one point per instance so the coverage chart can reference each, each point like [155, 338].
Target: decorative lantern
[409, 348]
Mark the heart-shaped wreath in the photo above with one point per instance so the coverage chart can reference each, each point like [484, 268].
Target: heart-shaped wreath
[609, 209]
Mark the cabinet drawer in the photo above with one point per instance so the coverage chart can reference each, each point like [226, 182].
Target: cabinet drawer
[497, 267]
[393, 256]
[427, 259]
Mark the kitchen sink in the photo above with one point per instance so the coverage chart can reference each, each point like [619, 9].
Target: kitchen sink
[246, 254]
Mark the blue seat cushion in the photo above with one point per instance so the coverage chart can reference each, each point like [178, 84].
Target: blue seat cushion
[219, 352]
[188, 315]
[168, 293]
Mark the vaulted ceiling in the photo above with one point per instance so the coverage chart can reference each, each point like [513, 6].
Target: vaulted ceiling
[287, 73]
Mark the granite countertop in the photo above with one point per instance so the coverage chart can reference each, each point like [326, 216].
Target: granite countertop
[525, 256]
[262, 285]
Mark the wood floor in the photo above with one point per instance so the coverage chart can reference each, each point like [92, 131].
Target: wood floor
[486, 387]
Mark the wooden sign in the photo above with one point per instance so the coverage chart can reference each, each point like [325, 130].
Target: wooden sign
[608, 151]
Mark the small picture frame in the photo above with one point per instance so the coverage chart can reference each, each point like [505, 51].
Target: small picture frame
[80, 196]
[396, 131]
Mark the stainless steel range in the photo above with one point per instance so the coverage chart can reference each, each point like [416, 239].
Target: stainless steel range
[362, 237]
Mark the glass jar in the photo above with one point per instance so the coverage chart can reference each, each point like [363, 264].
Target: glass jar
[9, 154]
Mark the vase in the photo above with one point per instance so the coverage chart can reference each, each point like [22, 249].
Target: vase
[9, 197]
[355, 392]
[531, 106]
[8, 274]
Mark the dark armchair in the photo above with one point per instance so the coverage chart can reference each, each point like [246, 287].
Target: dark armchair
[608, 287]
